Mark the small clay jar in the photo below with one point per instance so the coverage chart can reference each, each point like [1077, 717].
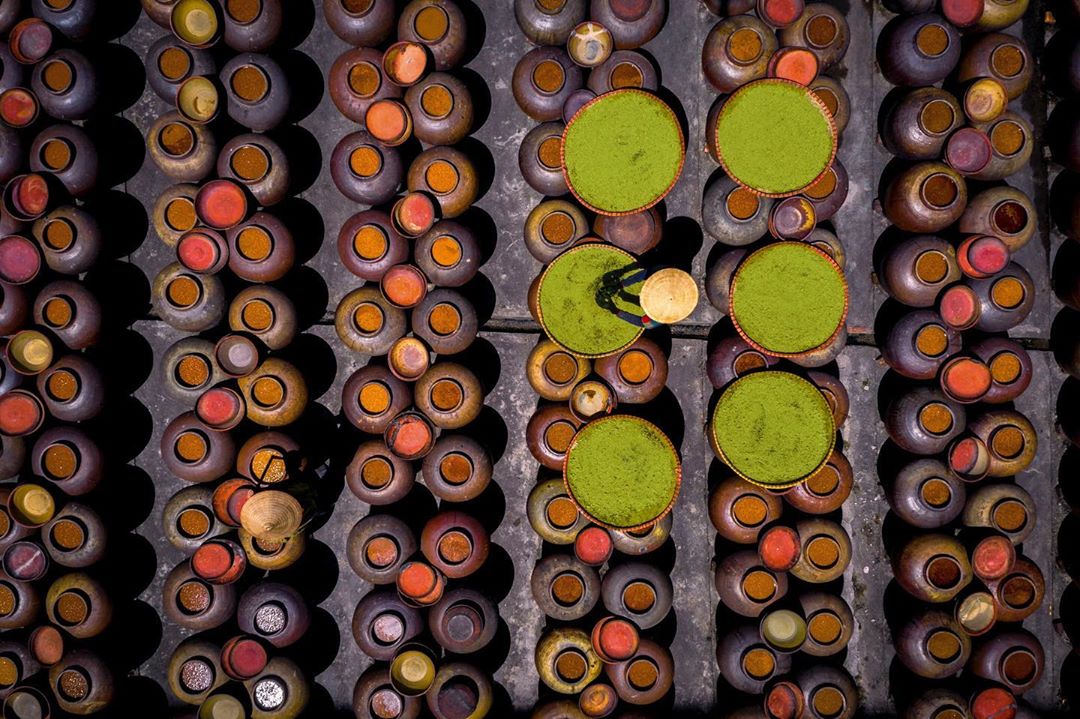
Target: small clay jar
[553, 372]
[70, 239]
[455, 543]
[70, 311]
[918, 50]
[188, 519]
[746, 586]
[925, 197]
[251, 25]
[564, 587]
[437, 24]
[825, 552]
[1003, 507]
[1012, 139]
[367, 323]
[366, 171]
[457, 469]
[173, 213]
[932, 644]
[552, 227]
[543, 80]
[552, 514]
[79, 604]
[1004, 212]
[1010, 438]
[1010, 368]
[827, 490]
[449, 394]
[835, 98]
[368, 245]
[464, 621]
[915, 270]
[624, 69]
[372, 397]
[637, 374]
[378, 545]
[1013, 658]
[640, 592]
[69, 459]
[363, 23]
[736, 51]
[261, 248]
[195, 604]
[829, 690]
[188, 301]
[442, 109]
[646, 677]
[66, 85]
[549, 22]
[924, 420]
[69, 154]
[264, 312]
[72, 389]
[919, 343]
[259, 164]
[739, 510]
[918, 124]
[540, 159]
[275, 393]
[1005, 300]
[184, 151]
[195, 453]
[828, 193]
[75, 537]
[632, 24]
[1003, 57]
[274, 612]
[374, 693]
[925, 494]
[382, 623]
[1019, 594]
[1000, 14]
[356, 82]
[256, 91]
[446, 321]
[448, 175]
[933, 567]
[823, 30]
[746, 662]
[448, 254]
[169, 63]
[549, 433]
[732, 214]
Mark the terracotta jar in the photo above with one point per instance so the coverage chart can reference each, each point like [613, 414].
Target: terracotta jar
[455, 543]
[924, 420]
[447, 174]
[69, 154]
[564, 587]
[917, 125]
[261, 248]
[552, 372]
[372, 397]
[540, 159]
[1004, 212]
[367, 323]
[736, 51]
[252, 25]
[637, 374]
[826, 490]
[1004, 507]
[274, 612]
[281, 691]
[549, 433]
[926, 494]
[732, 214]
[437, 24]
[829, 690]
[925, 197]
[918, 50]
[442, 109]
[836, 100]
[624, 68]
[375, 694]
[549, 22]
[746, 662]
[915, 270]
[276, 393]
[746, 586]
[718, 279]
[366, 171]
[1003, 57]
[259, 164]
[1010, 438]
[552, 514]
[640, 592]
[256, 91]
[356, 80]
[740, 510]
[1012, 658]
[918, 344]
[448, 254]
[378, 545]
[933, 567]
[66, 85]
[1005, 300]
[1012, 140]
[1019, 594]
[552, 227]
[457, 469]
[932, 645]
[264, 312]
[382, 624]
[462, 686]
[632, 24]
[637, 232]
[646, 677]
[566, 660]
[733, 357]
[184, 151]
[1010, 368]
[194, 670]
[825, 551]
[193, 452]
[365, 23]
[376, 476]
[170, 62]
[543, 79]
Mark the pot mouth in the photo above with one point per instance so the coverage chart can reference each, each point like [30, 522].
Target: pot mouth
[932, 40]
[940, 191]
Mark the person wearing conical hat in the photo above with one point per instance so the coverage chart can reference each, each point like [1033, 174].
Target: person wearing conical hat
[668, 295]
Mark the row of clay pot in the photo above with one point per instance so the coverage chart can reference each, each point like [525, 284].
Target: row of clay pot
[52, 597]
[955, 548]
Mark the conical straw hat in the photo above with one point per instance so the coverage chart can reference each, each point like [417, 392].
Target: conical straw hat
[271, 515]
[669, 295]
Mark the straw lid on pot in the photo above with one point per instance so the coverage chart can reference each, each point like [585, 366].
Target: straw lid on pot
[271, 515]
[669, 295]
